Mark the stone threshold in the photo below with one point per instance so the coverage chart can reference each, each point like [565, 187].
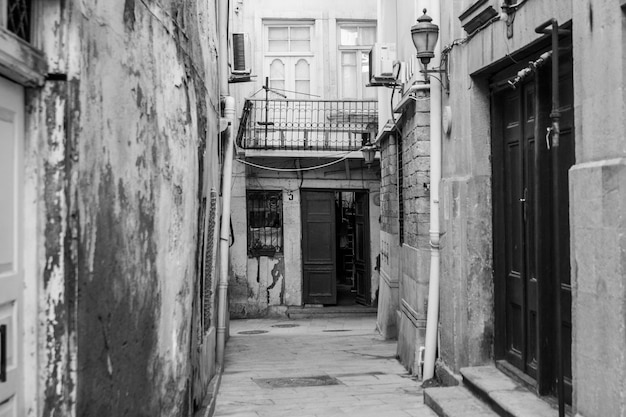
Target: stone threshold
[486, 391]
[294, 312]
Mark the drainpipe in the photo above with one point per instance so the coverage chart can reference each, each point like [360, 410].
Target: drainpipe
[555, 131]
[432, 318]
[227, 174]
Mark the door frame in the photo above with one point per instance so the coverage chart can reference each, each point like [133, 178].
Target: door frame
[306, 297]
[367, 239]
[546, 328]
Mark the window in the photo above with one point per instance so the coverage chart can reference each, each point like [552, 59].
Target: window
[265, 222]
[288, 58]
[289, 38]
[355, 41]
[18, 17]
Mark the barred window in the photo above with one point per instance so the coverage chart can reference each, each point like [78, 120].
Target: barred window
[18, 17]
[265, 222]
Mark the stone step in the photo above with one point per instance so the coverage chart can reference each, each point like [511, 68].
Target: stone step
[504, 395]
[456, 401]
[329, 312]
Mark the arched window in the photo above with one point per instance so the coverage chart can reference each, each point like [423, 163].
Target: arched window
[277, 74]
[303, 76]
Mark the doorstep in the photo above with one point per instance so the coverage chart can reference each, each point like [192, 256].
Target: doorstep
[294, 312]
[487, 390]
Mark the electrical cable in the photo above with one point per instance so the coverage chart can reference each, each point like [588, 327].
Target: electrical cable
[295, 169]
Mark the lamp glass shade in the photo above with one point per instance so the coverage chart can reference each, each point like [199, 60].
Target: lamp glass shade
[369, 152]
[425, 35]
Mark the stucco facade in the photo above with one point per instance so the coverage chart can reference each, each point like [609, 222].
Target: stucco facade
[120, 168]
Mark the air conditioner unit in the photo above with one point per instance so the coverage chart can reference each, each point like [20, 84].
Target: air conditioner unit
[241, 59]
[382, 57]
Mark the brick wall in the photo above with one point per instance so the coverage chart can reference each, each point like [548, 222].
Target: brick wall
[416, 176]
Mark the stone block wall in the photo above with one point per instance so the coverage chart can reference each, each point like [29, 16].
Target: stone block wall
[416, 166]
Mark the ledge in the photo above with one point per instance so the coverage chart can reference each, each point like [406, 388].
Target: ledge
[20, 62]
[477, 14]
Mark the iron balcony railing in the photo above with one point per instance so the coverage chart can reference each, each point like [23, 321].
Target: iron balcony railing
[318, 125]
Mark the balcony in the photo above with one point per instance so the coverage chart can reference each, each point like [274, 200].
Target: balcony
[297, 127]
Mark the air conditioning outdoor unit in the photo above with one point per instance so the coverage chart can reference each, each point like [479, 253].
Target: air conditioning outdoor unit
[241, 60]
[382, 58]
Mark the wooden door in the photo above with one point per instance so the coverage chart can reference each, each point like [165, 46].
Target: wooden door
[520, 281]
[362, 248]
[11, 268]
[318, 247]
[527, 220]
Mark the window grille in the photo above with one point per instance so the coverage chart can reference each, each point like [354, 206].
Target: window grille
[19, 18]
[265, 222]
[207, 290]
[400, 191]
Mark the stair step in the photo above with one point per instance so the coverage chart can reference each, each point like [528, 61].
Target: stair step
[329, 312]
[506, 396]
[455, 401]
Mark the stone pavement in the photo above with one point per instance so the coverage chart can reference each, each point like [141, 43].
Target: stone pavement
[315, 367]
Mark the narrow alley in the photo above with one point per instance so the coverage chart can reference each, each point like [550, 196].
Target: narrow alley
[184, 183]
[315, 367]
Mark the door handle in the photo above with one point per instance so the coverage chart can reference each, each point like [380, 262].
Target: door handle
[3, 353]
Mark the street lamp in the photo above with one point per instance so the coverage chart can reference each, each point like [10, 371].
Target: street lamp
[425, 34]
[369, 152]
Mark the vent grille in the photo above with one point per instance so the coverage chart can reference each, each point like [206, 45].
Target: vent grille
[239, 52]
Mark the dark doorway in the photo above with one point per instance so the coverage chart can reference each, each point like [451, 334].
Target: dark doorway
[524, 227]
[335, 247]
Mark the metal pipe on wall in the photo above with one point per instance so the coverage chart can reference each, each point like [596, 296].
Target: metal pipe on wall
[555, 131]
[432, 317]
[227, 174]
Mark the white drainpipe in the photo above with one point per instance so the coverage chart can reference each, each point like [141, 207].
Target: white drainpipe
[229, 118]
[432, 318]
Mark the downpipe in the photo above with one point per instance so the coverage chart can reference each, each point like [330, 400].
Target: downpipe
[432, 314]
[227, 175]
[222, 287]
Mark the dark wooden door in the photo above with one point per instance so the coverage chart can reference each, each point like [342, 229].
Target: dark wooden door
[362, 248]
[518, 140]
[526, 220]
[318, 247]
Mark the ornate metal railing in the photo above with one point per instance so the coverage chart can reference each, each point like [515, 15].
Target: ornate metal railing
[318, 125]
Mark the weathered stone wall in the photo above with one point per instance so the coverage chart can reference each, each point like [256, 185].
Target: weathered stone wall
[466, 289]
[389, 240]
[597, 210]
[414, 254]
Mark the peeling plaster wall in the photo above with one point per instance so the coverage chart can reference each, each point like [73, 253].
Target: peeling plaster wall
[145, 99]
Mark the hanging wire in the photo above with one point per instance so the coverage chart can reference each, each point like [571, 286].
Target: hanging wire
[295, 169]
